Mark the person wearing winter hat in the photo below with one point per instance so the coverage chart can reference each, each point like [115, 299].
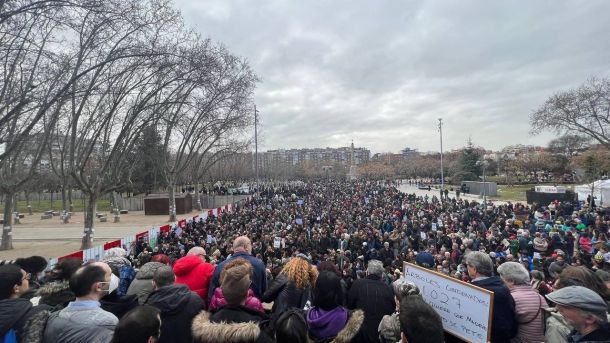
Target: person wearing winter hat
[585, 311]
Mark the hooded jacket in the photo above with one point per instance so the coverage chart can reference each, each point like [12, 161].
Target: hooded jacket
[218, 301]
[196, 274]
[141, 286]
[322, 323]
[55, 294]
[14, 313]
[232, 324]
[178, 306]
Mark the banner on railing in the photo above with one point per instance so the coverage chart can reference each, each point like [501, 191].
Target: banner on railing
[97, 253]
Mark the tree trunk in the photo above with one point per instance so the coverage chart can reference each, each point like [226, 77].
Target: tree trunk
[27, 202]
[7, 232]
[70, 205]
[172, 204]
[64, 205]
[116, 210]
[198, 195]
[90, 211]
[64, 198]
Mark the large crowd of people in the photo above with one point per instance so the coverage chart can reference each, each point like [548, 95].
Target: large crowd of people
[322, 262]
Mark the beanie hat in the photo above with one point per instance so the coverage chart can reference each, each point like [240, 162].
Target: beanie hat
[235, 282]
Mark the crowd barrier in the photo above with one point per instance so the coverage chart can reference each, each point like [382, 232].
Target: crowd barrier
[97, 253]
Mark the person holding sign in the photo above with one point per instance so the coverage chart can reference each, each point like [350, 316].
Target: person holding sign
[504, 325]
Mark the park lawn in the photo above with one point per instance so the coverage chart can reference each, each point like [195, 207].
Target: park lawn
[103, 205]
[517, 192]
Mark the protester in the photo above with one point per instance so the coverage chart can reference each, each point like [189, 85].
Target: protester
[178, 306]
[194, 272]
[218, 299]
[558, 328]
[83, 320]
[234, 322]
[140, 325]
[374, 307]
[504, 325]
[529, 305]
[293, 287]
[242, 247]
[389, 327]
[340, 226]
[328, 320]
[585, 311]
[14, 311]
[419, 323]
[142, 286]
[292, 327]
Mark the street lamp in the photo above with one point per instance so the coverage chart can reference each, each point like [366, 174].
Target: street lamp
[484, 164]
[440, 129]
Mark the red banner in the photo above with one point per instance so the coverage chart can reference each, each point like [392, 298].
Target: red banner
[142, 235]
[165, 228]
[78, 254]
[182, 223]
[210, 213]
[219, 210]
[113, 244]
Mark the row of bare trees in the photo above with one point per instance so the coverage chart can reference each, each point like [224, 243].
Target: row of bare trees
[84, 79]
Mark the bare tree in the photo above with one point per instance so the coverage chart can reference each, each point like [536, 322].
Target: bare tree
[32, 88]
[584, 111]
[126, 45]
[204, 110]
[569, 144]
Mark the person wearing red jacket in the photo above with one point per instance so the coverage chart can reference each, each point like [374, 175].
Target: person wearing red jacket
[193, 271]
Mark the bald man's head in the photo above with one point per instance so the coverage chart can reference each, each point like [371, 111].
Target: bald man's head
[197, 251]
[242, 244]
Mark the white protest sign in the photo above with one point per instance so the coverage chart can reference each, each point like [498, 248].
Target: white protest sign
[465, 309]
[276, 242]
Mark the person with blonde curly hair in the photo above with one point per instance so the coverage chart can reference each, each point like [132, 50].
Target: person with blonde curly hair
[293, 286]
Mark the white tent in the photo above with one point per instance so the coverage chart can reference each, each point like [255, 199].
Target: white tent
[601, 192]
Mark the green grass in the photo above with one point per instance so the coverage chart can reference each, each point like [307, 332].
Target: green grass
[103, 205]
[517, 192]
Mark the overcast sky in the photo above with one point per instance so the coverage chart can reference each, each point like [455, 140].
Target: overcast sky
[382, 72]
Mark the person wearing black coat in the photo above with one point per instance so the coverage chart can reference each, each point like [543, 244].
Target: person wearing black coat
[375, 298]
[504, 324]
[178, 306]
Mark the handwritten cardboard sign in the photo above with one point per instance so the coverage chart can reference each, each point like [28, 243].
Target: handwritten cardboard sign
[465, 309]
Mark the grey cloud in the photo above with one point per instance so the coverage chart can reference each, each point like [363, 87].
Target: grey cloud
[382, 72]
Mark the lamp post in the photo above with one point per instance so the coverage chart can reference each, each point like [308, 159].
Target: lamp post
[484, 165]
[440, 129]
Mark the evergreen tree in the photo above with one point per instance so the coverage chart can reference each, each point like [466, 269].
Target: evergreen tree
[147, 177]
[467, 168]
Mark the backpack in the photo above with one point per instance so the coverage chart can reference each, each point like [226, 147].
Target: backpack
[9, 337]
